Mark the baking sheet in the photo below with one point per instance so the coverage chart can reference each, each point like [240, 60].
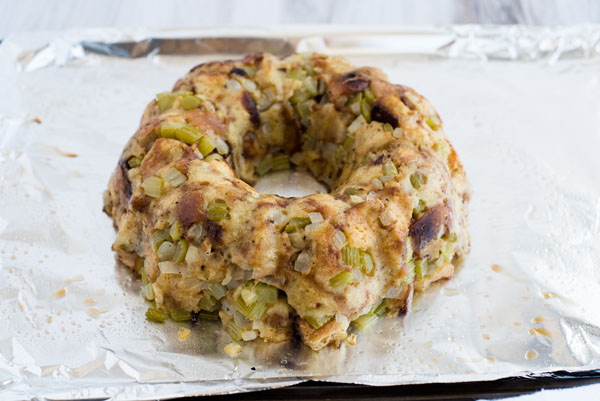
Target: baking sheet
[520, 105]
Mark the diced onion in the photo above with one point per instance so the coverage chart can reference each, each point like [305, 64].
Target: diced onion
[302, 264]
[278, 217]
[174, 177]
[165, 251]
[315, 217]
[312, 227]
[385, 218]
[233, 85]
[249, 335]
[339, 239]
[356, 124]
[222, 147]
[356, 199]
[168, 268]
[239, 318]
[397, 133]
[377, 183]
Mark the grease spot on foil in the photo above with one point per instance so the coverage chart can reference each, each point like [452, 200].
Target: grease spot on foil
[60, 293]
[95, 313]
[183, 333]
[496, 268]
[451, 292]
[78, 277]
[89, 302]
[538, 319]
[540, 331]
[531, 354]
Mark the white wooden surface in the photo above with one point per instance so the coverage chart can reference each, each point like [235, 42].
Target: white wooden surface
[43, 15]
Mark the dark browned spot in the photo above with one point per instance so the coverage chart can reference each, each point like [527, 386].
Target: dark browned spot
[381, 113]
[189, 209]
[251, 146]
[214, 232]
[250, 106]
[140, 203]
[407, 102]
[378, 161]
[239, 71]
[123, 179]
[428, 226]
[348, 84]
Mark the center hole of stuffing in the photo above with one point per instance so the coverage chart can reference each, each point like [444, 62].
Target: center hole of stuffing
[289, 183]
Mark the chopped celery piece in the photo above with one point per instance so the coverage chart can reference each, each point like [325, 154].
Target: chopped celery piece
[216, 211]
[351, 191]
[421, 267]
[302, 108]
[180, 315]
[144, 275]
[409, 250]
[175, 231]
[342, 279]
[250, 70]
[369, 95]
[417, 179]
[368, 158]
[134, 161]
[317, 322]
[364, 321]
[159, 237]
[207, 315]
[296, 223]
[234, 331]
[410, 276]
[181, 251]
[433, 121]
[280, 162]
[348, 143]
[206, 145]
[257, 311]
[388, 127]
[153, 186]
[366, 262]
[156, 315]
[148, 292]
[266, 293]
[351, 256]
[420, 208]
[241, 306]
[165, 251]
[189, 102]
[299, 96]
[379, 308]
[216, 290]
[389, 168]
[452, 237]
[208, 303]
[365, 109]
[297, 73]
[174, 177]
[183, 132]
[165, 100]
[264, 166]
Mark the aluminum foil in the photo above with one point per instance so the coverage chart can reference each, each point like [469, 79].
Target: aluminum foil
[520, 105]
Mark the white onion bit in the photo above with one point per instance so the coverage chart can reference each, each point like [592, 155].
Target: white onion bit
[397, 133]
[360, 120]
[385, 219]
[377, 183]
[302, 264]
[222, 147]
[315, 217]
[339, 239]
[356, 199]
[312, 227]
[233, 85]
[169, 268]
[278, 217]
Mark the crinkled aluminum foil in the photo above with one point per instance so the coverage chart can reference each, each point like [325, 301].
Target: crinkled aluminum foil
[520, 105]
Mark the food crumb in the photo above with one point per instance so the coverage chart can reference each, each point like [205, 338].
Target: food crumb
[37, 120]
[183, 333]
[232, 350]
[351, 339]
